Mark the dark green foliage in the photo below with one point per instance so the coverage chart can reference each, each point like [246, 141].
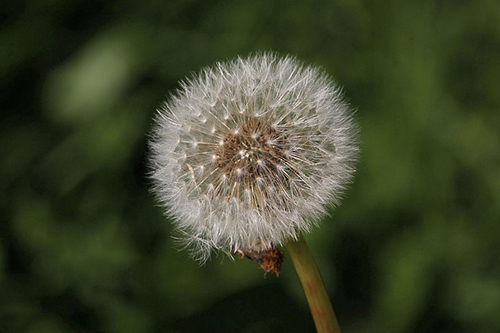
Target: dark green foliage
[413, 248]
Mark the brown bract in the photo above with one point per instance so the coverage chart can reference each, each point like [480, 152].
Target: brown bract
[270, 260]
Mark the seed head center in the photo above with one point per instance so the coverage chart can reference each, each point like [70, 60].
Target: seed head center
[257, 149]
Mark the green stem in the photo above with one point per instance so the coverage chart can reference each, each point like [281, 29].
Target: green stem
[310, 278]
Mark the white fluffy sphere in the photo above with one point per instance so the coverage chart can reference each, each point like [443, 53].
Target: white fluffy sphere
[249, 153]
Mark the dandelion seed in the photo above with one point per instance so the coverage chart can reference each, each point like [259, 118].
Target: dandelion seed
[268, 173]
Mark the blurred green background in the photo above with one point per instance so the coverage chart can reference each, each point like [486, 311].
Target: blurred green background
[83, 248]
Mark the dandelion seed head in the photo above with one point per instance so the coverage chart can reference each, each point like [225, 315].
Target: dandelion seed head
[251, 151]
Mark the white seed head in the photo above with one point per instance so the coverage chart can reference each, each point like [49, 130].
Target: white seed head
[251, 152]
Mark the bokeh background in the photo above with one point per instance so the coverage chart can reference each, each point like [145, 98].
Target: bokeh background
[83, 248]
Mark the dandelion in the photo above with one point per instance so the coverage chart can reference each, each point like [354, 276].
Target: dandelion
[249, 153]
[247, 156]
